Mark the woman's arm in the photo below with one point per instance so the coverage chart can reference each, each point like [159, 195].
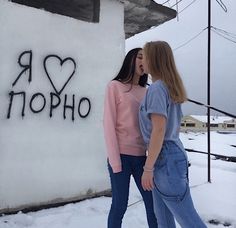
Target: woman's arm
[155, 144]
[109, 124]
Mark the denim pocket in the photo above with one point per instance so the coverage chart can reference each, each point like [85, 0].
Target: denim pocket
[160, 163]
[181, 167]
[174, 197]
[170, 177]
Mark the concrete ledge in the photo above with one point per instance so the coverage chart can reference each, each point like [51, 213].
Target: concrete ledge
[54, 203]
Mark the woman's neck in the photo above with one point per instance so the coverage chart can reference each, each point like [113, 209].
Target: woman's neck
[135, 80]
[155, 78]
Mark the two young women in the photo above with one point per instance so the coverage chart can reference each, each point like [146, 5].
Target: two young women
[165, 170]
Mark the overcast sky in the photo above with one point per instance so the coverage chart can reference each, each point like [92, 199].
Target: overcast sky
[192, 58]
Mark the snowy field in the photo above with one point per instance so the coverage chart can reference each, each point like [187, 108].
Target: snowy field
[215, 202]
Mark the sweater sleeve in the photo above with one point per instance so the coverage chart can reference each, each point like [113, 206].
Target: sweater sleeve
[109, 123]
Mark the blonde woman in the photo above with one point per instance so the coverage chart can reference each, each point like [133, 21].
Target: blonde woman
[166, 167]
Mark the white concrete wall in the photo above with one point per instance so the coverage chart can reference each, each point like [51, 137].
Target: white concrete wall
[45, 159]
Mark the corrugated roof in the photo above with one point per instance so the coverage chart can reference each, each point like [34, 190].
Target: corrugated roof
[213, 119]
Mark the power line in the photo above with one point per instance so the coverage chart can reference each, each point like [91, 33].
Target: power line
[232, 35]
[219, 34]
[165, 2]
[139, 201]
[176, 3]
[193, 38]
[222, 5]
[187, 6]
[177, 10]
[226, 35]
[218, 31]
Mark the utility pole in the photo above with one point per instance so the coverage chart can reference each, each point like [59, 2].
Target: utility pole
[209, 92]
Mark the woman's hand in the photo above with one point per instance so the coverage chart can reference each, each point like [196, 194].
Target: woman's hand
[147, 180]
[155, 144]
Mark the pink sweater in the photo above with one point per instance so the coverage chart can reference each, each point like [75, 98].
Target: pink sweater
[121, 124]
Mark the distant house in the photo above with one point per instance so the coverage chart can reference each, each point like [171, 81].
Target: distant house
[199, 123]
[230, 124]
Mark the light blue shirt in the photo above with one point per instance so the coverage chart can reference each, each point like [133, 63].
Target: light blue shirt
[158, 101]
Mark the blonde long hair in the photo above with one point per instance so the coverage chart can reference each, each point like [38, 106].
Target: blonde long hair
[161, 65]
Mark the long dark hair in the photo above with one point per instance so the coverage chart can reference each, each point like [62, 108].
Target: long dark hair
[126, 73]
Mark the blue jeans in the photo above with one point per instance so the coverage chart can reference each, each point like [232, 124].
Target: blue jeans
[131, 165]
[171, 194]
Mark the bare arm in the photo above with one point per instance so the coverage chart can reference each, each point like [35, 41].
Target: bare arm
[155, 144]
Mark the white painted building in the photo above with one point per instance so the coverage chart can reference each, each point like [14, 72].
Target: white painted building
[55, 63]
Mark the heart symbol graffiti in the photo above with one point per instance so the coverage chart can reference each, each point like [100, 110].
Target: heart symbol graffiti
[58, 71]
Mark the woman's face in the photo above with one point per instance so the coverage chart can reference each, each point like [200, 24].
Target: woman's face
[139, 64]
[144, 64]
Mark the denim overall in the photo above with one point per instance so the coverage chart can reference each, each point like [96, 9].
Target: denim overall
[171, 194]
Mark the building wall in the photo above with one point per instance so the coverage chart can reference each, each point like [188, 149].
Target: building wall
[230, 124]
[47, 60]
[189, 123]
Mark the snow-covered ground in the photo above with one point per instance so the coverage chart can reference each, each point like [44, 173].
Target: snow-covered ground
[214, 201]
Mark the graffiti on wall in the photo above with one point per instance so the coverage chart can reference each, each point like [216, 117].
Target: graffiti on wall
[38, 101]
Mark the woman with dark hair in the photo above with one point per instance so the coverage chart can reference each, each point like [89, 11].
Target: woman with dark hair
[125, 146]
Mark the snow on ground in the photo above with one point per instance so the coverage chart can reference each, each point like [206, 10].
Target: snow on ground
[214, 201]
